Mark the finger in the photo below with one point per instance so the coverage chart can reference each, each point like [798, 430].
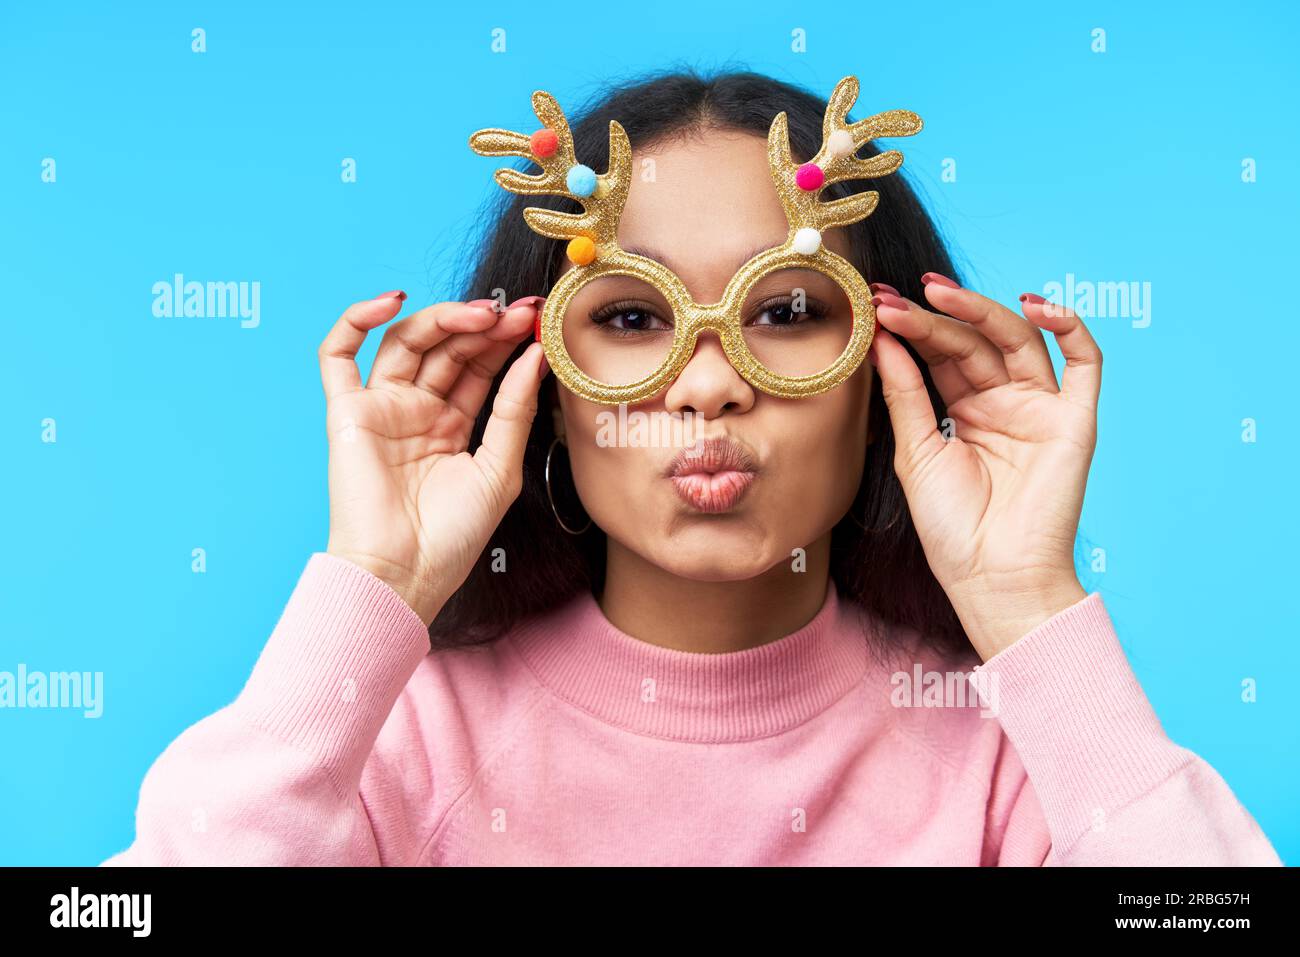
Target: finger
[947, 345]
[471, 388]
[1081, 378]
[501, 453]
[405, 343]
[338, 351]
[442, 366]
[1024, 351]
[916, 431]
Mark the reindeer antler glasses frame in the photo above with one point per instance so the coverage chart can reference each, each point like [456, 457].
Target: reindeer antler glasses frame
[594, 250]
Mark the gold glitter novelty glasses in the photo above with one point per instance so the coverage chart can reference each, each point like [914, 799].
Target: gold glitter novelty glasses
[800, 280]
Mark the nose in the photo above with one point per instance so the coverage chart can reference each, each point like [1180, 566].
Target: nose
[709, 384]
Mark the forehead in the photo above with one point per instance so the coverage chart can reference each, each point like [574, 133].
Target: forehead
[705, 201]
[714, 186]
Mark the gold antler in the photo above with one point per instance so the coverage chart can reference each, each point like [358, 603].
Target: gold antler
[562, 175]
[799, 186]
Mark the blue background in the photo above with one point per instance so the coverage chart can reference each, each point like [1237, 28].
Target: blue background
[183, 433]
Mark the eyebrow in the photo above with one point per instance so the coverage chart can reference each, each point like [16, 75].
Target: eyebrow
[651, 253]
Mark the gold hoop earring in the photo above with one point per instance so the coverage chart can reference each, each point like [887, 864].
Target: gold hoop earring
[551, 498]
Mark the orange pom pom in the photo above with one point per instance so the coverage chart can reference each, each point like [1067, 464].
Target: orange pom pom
[581, 250]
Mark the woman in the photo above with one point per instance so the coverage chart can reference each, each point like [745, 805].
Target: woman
[747, 660]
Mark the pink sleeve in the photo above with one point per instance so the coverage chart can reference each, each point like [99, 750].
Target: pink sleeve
[1105, 785]
[274, 776]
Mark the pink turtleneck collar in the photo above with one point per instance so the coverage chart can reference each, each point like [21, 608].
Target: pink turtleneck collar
[691, 696]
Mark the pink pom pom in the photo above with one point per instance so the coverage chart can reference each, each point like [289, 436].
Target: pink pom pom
[809, 176]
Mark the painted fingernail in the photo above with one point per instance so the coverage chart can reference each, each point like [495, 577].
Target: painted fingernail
[395, 294]
[1033, 297]
[493, 304]
[537, 328]
[527, 301]
[883, 287]
[930, 277]
[892, 301]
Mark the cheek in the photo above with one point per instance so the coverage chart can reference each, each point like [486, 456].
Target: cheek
[604, 476]
[581, 421]
[851, 412]
[825, 437]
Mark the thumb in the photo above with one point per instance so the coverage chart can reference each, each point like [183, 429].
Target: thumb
[906, 397]
[513, 409]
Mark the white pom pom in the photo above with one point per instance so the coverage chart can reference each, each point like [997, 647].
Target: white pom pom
[840, 143]
[807, 241]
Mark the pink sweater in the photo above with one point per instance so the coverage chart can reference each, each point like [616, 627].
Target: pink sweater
[569, 742]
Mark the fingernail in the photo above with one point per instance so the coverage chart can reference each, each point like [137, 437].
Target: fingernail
[537, 328]
[930, 277]
[527, 301]
[493, 304]
[395, 294]
[1033, 297]
[883, 287]
[893, 302]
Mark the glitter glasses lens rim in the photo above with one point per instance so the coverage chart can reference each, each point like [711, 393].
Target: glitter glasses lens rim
[703, 317]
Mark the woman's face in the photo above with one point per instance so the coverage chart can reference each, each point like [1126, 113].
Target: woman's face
[705, 206]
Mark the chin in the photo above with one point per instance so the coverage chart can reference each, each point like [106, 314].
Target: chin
[714, 555]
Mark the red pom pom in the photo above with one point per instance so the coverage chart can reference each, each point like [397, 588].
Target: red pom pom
[545, 143]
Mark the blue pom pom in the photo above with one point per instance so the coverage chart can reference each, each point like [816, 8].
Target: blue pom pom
[581, 180]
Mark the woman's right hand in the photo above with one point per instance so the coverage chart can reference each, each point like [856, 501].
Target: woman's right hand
[408, 502]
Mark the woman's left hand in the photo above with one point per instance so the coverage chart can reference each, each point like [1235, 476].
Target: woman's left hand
[996, 495]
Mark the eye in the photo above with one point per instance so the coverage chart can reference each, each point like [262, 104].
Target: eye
[628, 318]
[780, 311]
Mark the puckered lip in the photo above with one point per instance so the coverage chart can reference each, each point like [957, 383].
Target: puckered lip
[717, 454]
